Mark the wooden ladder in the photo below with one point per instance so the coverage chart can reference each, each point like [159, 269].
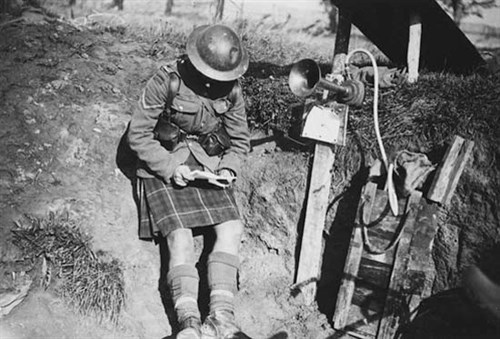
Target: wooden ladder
[383, 285]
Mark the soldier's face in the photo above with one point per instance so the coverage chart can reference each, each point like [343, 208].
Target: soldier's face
[204, 85]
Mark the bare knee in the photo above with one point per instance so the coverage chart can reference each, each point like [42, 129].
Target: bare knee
[228, 236]
[180, 247]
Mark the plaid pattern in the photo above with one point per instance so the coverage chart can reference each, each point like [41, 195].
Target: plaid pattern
[164, 208]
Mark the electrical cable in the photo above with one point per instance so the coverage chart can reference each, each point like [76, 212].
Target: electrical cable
[389, 187]
[388, 166]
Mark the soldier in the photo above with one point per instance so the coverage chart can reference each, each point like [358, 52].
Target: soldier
[190, 122]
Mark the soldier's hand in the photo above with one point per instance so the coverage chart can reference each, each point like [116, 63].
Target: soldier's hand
[226, 180]
[225, 173]
[182, 175]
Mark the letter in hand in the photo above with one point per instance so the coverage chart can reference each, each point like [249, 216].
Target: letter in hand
[182, 176]
[223, 180]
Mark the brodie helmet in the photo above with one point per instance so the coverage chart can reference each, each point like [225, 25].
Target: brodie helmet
[217, 53]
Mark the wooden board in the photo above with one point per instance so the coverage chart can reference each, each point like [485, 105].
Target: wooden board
[314, 224]
[311, 247]
[387, 24]
[450, 170]
[363, 289]
[351, 267]
[396, 305]
[421, 271]
[400, 278]
[374, 291]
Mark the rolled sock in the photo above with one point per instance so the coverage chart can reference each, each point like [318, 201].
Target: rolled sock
[183, 283]
[222, 275]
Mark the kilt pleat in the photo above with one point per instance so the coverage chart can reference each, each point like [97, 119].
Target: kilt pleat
[164, 207]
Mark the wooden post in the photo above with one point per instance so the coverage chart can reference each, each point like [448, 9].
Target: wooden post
[413, 56]
[319, 188]
[341, 43]
[317, 203]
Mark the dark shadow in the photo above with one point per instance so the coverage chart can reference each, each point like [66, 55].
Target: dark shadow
[162, 284]
[300, 232]
[291, 139]
[489, 263]
[448, 315]
[208, 235]
[279, 335]
[126, 159]
[337, 243]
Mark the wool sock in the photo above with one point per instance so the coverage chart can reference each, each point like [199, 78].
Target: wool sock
[222, 275]
[183, 284]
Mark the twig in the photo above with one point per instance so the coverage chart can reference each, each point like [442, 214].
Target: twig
[10, 22]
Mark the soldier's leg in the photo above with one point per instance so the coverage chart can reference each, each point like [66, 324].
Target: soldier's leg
[223, 264]
[183, 279]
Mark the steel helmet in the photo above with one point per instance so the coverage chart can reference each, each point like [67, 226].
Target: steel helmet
[217, 53]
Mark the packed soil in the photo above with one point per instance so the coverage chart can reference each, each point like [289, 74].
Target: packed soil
[66, 96]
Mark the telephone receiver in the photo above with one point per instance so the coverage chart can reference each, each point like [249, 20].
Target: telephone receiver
[305, 78]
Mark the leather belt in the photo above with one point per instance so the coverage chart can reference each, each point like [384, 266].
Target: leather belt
[183, 136]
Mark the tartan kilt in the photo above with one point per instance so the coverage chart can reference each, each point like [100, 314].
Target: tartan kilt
[165, 207]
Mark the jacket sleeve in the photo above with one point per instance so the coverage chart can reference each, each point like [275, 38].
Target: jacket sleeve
[235, 122]
[145, 116]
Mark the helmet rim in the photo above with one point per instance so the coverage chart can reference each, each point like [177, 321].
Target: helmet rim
[199, 63]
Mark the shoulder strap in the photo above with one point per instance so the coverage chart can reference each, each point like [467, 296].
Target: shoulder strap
[235, 92]
[173, 87]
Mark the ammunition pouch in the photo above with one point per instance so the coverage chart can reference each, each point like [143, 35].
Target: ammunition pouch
[215, 142]
[169, 135]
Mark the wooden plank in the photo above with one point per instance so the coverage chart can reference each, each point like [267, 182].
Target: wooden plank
[317, 203]
[368, 201]
[414, 46]
[319, 187]
[421, 272]
[346, 290]
[375, 272]
[394, 307]
[366, 309]
[449, 171]
[423, 237]
[381, 228]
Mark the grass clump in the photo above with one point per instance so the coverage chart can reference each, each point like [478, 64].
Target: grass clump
[90, 281]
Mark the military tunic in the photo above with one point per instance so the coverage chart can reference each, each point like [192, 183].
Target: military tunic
[163, 206]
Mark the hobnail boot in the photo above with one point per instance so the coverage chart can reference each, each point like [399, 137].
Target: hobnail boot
[220, 325]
